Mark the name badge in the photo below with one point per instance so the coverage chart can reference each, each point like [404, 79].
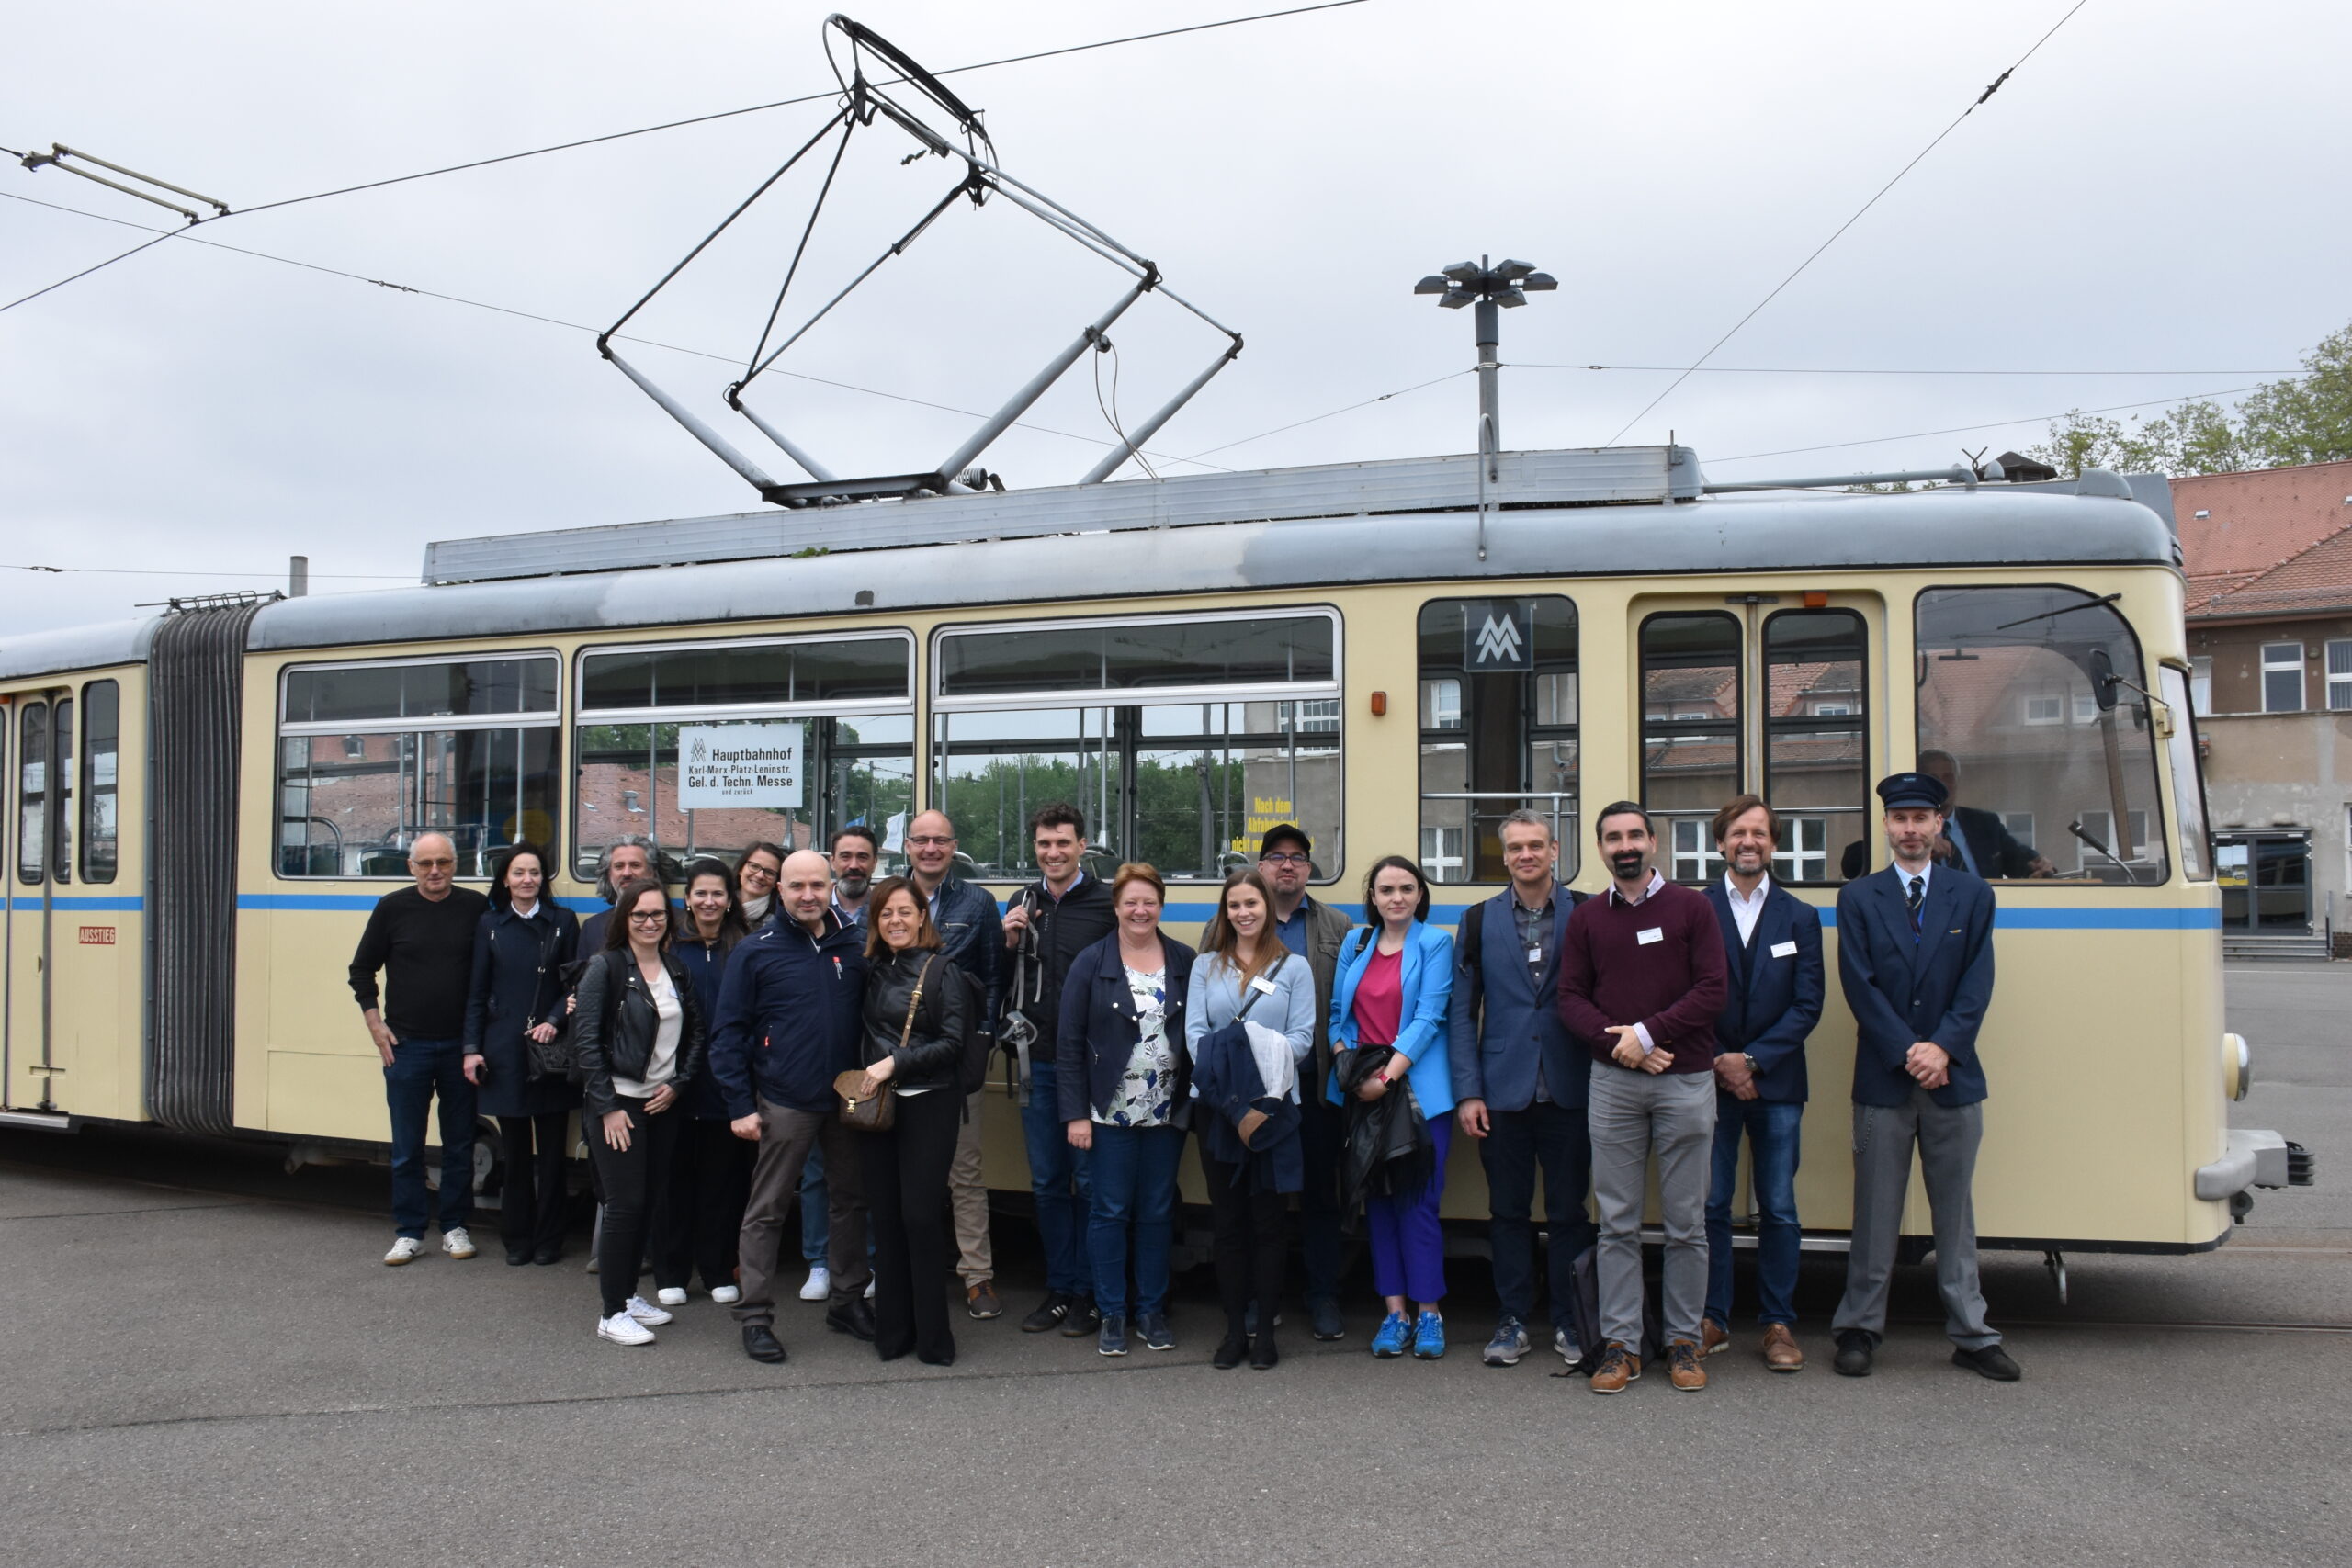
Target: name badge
[1535, 956]
[1262, 984]
[1655, 933]
[1784, 950]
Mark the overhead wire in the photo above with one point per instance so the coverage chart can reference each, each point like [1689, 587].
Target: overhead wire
[1990, 424]
[1873, 201]
[1845, 370]
[160, 237]
[1334, 414]
[573, 326]
[166, 571]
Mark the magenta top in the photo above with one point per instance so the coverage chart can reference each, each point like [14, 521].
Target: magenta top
[1380, 999]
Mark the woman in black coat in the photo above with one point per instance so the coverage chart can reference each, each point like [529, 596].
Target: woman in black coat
[520, 949]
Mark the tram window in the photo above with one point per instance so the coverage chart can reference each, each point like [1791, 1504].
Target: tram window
[1979, 646]
[101, 755]
[32, 791]
[61, 852]
[1188, 786]
[1498, 729]
[364, 767]
[2188, 780]
[1816, 772]
[773, 747]
[1691, 743]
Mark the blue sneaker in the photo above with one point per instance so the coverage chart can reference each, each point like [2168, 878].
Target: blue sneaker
[1111, 1340]
[1429, 1337]
[1394, 1332]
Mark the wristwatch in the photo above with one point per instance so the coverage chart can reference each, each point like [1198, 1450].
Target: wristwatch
[1749, 1060]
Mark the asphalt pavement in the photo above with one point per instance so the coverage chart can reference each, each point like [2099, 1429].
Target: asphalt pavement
[205, 1363]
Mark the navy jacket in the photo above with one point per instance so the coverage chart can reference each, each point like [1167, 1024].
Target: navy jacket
[707, 967]
[1099, 1028]
[1504, 1019]
[518, 982]
[1773, 1000]
[1902, 992]
[788, 1016]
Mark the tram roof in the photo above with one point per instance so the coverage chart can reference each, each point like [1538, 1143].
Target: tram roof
[1992, 525]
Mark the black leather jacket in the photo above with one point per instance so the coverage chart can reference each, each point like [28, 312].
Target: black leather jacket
[933, 1054]
[613, 1038]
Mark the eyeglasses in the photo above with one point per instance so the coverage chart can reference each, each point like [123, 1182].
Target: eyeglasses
[433, 864]
[650, 917]
[1286, 860]
[931, 843]
[758, 873]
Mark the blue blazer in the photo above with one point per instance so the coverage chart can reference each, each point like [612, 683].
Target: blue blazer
[1427, 975]
[1099, 1028]
[1902, 992]
[1520, 1011]
[1773, 1000]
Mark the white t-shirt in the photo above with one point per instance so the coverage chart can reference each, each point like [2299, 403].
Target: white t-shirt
[663, 1066]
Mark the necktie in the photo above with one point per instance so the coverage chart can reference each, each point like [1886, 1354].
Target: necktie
[1913, 899]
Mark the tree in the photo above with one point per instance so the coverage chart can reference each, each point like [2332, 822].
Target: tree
[2304, 419]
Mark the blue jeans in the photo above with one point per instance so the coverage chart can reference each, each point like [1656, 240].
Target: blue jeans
[1133, 1186]
[1556, 1139]
[1772, 1129]
[816, 1229]
[1058, 1183]
[421, 1069]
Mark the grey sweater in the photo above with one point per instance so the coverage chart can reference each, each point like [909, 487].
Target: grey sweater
[1216, 995]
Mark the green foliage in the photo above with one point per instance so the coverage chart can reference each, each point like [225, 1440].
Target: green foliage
[2305, 419]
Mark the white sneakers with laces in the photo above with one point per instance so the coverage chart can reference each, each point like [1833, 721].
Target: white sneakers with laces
[405, 1249]
[645, 1312]
[457, 1242]
[623, 1329]
[820, 1285]
[671, 1296]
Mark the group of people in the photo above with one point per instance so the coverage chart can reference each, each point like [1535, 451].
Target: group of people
[726, 1054]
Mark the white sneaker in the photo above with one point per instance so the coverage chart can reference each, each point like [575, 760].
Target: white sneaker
[457, 1242]
[820, 1285]
[869, 1289]
[727, 1295]
[405, 1249]
[671, 1296]
[623, 1329]
[645, 1312]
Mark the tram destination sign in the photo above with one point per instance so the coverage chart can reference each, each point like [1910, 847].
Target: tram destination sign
[724, 765]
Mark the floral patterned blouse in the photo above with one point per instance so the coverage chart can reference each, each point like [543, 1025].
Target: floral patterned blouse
[1145, 1095]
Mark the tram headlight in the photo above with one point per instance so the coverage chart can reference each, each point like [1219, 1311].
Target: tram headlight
[2237, 1065]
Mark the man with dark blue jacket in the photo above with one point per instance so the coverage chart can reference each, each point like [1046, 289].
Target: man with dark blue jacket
[1772, 945]
[1915, 957]
[788, 1022]
[1519, 1084]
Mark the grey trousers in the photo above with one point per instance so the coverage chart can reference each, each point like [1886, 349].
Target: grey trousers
[786, 1138]
[1947, 1137]
[1632, 1114]
[968, 1193]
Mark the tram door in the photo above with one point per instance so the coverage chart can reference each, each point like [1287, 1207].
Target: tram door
[41, 719]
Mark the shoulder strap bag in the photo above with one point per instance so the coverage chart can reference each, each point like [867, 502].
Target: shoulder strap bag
[878, 1112]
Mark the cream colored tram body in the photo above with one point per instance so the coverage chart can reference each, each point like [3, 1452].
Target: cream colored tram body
[1366, 651]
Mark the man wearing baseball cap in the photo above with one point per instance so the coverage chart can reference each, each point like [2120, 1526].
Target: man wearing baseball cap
[1915, 957]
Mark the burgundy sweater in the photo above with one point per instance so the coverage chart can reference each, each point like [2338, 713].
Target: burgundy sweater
[1673, 985]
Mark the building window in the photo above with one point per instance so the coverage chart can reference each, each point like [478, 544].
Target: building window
[2018, 825]
[2101, 825]
[1182, 740]
[2042, 708]
[1802, 851]
[371, 755]
[2282, 677]
[711, 747]
[1499, 730]
[1815, 771]
[2339, 676]
[1693, 856]
[2200, 687]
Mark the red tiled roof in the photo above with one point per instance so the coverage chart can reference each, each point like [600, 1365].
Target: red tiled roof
[2272, 542]
[2315, 581]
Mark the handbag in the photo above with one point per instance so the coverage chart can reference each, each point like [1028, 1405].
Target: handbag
[878, 1112]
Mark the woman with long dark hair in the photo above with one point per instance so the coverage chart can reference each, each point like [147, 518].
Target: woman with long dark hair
[710, 1171]
[639, 1035]
[916, 1011]
[755, 876]
[517, 997]
[1388, 1029]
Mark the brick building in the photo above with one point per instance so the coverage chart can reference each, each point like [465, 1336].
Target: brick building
[2269, 562]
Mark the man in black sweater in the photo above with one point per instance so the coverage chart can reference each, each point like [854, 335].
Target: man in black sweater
[1051, 922]
[422, 938]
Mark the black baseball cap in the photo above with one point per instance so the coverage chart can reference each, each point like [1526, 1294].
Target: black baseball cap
[1284, 833]
[1911, 789]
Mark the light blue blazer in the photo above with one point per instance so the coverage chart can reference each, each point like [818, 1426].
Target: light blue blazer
[1421, 1038]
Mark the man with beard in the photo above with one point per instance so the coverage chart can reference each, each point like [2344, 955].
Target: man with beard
[1641, 982]
[1772, 951]
[856, 853]
[1915, 958]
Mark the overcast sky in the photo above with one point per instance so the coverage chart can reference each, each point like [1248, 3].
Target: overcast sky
[2161, 188]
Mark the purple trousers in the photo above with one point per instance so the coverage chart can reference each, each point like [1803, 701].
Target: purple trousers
[1408, 1246]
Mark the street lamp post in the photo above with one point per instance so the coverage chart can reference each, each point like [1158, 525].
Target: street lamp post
[1493, 288]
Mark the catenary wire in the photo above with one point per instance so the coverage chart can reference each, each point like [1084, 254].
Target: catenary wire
[1849, 223]
[573, 326]
[166, 571]
[1990, 424]
[1841, 370]
[786, 103]
[86, 272]
[1334, 414]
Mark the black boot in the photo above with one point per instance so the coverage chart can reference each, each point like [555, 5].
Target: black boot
[1262, 1354]
[1231, 1349]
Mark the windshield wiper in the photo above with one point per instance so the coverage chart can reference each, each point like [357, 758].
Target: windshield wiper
[2076, 829]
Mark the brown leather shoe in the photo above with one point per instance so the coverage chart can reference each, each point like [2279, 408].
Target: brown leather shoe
[1712, 1337]
[1780, 1352]
[1683, 1368]
[1618, 1368]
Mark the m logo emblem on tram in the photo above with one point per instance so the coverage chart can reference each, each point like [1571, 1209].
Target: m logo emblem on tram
[701, 750]
[1502, 640]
